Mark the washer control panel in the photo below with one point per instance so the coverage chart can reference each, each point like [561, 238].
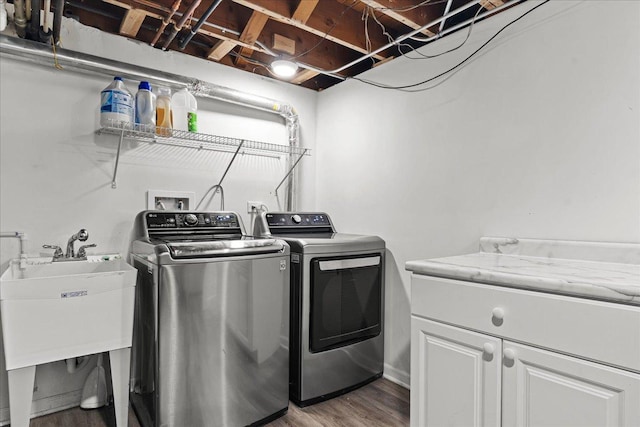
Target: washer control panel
[185, 220]
[295, 219]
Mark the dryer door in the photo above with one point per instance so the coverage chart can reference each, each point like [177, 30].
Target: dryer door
[346, 300]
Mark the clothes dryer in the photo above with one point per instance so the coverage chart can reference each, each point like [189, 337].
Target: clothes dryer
[337, 304]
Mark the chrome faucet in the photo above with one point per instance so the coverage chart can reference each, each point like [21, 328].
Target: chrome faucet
[81, 235]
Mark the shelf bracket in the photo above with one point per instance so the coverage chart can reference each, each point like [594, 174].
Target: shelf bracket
[230, 163]
[290, 171]
[115, 168]
[217, 188]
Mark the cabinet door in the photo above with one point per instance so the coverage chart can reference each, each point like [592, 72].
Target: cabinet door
[455, 376]
[541, 388]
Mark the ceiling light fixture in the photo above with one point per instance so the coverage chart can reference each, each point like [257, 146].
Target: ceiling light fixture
[284, 68]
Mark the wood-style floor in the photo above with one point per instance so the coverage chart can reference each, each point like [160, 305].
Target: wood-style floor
[379, 404]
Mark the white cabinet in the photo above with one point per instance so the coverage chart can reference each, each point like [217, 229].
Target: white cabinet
[456, 376]
[575, 362]
[543, 388]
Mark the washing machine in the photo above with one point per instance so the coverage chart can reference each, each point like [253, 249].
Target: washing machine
[337, 304]
[211, 325]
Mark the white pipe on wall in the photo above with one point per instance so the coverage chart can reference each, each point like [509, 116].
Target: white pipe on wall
[42, 54]
[23, 238]
[3, 16]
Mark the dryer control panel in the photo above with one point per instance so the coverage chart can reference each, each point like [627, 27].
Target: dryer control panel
[284, 223]
[294, 219]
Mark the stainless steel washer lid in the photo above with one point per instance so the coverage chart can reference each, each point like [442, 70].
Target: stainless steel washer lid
[223, 248]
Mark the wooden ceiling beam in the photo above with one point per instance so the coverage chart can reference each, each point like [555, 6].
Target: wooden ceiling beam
[249, 35]
[254, 27]
[218, 34]
[304, 10]
[220, 50]
[132, 22]
[128, 5]
[491, 4]
[303, 76]
[211, 32]
[401, 12]
[330, 19]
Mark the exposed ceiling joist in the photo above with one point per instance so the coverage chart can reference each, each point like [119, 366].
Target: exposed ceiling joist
[491, 4]
[330, 20]
[221, 49]
[247, 34]
[412, 18]
[207, 31]
[254, 27]
[132, 22]
[304, 10]
[303, 76]
[130, 5]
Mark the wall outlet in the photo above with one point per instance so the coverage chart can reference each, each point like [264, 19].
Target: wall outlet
[254, 207]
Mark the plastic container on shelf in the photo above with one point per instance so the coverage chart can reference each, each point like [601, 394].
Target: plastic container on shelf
[185, 111]
[116, 104]
[145, 107]
[164, 119]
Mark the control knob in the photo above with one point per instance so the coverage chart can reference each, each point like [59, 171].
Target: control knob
[190, 219]
[296, 219]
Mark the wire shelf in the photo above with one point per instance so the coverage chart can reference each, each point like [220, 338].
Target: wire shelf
[200, 141]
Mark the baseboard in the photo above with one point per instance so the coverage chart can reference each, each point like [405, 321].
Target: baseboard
[397, 376]
[47, 405]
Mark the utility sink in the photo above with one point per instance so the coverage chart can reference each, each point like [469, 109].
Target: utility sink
[61, 310]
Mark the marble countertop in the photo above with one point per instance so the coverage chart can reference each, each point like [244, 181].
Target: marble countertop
[604, 271]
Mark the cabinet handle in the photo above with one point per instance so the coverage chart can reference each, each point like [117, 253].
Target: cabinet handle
[498, 313]
[497, 316]
[488, 349]
[509, 357]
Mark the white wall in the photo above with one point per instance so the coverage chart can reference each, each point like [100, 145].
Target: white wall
[536, 137]
[56, 172]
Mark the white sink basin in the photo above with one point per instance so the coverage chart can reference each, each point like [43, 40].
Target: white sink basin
[65, 309]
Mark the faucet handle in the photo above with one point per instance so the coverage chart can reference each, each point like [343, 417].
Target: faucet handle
[58, 250]
[82, 253]
[83, 235]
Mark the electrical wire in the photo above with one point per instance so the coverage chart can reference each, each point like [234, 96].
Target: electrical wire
[351, 6]
[425, 56]
[250, 60]
[414, 50]
[410, 8]
[458, 65]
